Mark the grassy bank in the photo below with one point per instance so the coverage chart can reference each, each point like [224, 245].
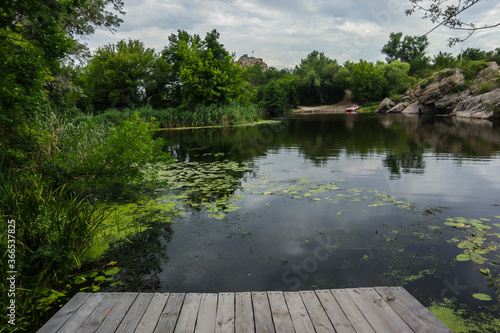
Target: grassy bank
[53, 211]
[199, 116]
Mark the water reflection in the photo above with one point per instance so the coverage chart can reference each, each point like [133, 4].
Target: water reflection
[330, 201]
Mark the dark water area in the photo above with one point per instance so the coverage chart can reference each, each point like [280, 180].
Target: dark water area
[330, 201]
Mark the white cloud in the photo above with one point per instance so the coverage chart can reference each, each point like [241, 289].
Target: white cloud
[284, 31]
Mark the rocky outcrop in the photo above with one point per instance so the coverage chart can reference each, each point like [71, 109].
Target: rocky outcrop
[441, 94]
[386, 105]
[398, 108]
[483, 106]
[435, 88]
[246, 61]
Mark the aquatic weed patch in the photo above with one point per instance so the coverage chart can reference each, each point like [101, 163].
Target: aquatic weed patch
[205, 185]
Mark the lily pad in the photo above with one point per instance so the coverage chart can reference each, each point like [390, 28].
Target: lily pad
[482, 297]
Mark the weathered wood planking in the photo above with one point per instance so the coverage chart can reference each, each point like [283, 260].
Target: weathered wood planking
[378, 309]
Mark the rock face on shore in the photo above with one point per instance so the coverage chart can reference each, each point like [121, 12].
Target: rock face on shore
[443, 93]
[246, 61]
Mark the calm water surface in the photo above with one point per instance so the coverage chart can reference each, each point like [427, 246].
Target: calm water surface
[330, 201]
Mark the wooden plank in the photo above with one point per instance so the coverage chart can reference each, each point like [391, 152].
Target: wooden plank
[118, 312]
[225, 313]
[64, 314]
[364, 305]
[356, 318]
[189, 313]
[262, 313]
[316, 312]
[208, 314]
[99, 314]
[279, 310]
[170, 314]
[385, 311]
[83, 312]
[243, 319]
[152, 314]
[134, 315]
[416, 324]
[432, 321]
[334, 312]
[298, 312]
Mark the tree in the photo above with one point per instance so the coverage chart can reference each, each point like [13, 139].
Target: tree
[444, 60]
[367, 82]
[117, 75]
[450, 16]
[203, 72]
[407, 49]
[410, 49]
[316, 73]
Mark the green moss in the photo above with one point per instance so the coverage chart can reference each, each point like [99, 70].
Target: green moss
[458, 321]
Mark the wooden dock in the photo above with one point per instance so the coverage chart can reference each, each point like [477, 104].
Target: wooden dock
[378, 309]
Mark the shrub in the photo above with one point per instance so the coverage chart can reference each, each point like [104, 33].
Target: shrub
[486, 87]
[396, 98]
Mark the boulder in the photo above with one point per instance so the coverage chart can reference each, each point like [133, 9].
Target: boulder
[398, 108]
[485, 106]
[386, 105]
[413, 108]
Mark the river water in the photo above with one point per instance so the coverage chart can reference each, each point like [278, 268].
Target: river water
[327, 201]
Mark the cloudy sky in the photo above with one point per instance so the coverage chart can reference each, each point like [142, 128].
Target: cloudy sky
[283, 32]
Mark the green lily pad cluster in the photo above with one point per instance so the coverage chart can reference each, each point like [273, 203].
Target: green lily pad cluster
[312, 189]
[210, 186]
[480, 242]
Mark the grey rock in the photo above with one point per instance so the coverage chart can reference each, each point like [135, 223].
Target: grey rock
[398, 108]
[386, 105]
[485, 106]
[413, 108]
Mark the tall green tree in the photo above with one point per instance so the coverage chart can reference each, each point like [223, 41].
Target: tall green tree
[117, 75]
[202, 71]
[317, 73]
[367, 81]
[405, 49]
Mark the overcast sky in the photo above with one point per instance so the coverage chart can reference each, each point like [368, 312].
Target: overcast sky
[283, 32]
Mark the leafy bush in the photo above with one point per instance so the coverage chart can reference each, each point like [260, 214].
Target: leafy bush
[396, 98]
[486, 87]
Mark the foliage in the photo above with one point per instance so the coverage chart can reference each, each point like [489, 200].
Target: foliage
[274, 97]
[449, 16]
[208, 80]
[321, 78]
[408, 49]
[444, 60]
[93, 157]
[117, 74]
[54, 229]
